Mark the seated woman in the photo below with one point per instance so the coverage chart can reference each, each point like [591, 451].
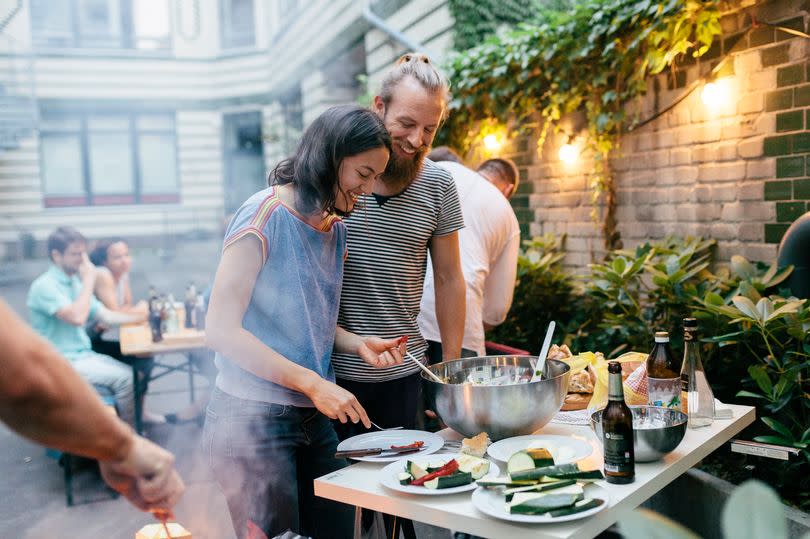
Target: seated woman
[113, 263]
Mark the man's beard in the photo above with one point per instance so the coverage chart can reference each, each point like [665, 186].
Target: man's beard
[402, 171]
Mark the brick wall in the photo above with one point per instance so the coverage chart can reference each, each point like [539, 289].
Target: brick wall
[738, 173]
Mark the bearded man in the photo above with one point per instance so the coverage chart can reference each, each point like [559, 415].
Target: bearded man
[413, 210]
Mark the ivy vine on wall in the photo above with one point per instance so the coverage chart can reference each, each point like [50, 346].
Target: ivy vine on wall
[594, 57]
[475, 20]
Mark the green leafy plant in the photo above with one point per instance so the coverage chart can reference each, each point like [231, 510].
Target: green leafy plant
[635, 293]
[768, 349]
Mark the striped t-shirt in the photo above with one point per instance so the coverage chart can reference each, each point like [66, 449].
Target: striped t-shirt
[385, 271]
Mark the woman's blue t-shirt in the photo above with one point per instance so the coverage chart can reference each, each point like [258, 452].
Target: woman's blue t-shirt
[294, 305]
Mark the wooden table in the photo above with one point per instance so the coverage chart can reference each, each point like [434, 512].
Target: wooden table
[359, 485]
[136, 341]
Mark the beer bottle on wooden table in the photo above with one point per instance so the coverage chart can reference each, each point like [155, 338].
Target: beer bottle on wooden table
[189, 304]
[663, 379]
[617, 431]
[155, 321]
[697, 398]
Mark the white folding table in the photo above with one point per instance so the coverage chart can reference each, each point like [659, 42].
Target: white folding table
[359, 485]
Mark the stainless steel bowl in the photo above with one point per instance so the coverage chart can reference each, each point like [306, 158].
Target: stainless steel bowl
[656, 431]
[517, 407]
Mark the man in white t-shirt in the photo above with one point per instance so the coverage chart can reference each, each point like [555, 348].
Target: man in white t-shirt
[489, 246]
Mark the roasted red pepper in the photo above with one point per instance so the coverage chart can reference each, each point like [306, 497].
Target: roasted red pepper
[415, 445]
[448, 469]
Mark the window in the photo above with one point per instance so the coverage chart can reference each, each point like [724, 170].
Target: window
[102, 159]
[237, 23]
[112, 24]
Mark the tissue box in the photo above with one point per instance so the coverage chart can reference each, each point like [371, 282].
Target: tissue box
[156, 531]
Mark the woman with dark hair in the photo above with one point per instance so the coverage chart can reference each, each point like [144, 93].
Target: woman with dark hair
[272, 320]
[113, 263]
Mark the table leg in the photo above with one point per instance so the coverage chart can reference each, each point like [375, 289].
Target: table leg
[358, 522]
[190, 377]
[138, 396]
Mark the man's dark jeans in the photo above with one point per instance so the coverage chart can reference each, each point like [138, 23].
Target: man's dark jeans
[265, 457]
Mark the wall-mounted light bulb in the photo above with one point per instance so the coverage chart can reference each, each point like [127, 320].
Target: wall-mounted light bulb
[715, 94]
[569, 153]
[493, 143]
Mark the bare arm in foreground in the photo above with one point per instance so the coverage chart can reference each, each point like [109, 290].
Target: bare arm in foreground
[45, 400]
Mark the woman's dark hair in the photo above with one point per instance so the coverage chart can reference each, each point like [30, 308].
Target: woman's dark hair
[98, 256]
[338, 133]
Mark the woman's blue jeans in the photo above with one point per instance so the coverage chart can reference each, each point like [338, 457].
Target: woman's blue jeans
[265, 457]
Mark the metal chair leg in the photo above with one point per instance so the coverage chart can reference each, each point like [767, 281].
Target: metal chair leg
[67, 464]
[190, 377]
[138, 386]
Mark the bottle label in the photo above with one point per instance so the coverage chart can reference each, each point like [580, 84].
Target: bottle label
[665, 392]
[618, 452]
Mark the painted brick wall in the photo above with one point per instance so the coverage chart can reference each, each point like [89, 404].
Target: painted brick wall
[738, 173]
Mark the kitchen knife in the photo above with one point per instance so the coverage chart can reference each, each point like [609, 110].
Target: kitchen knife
[375, 451]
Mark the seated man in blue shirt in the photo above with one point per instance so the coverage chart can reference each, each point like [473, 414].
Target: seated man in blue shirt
[61, 302]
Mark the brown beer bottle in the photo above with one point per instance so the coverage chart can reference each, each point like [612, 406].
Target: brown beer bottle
[617, 431]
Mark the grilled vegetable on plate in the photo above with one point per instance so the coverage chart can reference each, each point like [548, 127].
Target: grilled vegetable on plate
[437, 474]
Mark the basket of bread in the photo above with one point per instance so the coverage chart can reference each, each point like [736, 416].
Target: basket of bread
[587, 385]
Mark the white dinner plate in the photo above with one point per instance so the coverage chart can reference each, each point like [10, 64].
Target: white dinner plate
[387, 438]
[389, 479]
[564, 449]
[491, 501]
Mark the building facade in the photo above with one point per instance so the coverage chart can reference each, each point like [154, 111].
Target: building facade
[156, 118]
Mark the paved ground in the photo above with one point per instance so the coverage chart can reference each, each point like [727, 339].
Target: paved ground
[33, 504]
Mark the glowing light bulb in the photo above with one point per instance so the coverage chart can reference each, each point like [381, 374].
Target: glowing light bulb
[493, 143]
[713, 95]
[569, 153]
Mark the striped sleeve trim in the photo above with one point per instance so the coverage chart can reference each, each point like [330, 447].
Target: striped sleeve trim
[257, 224]
[246, 232]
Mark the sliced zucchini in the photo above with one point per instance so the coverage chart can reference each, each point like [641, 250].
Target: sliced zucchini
[580, 506]
[541, 457]
[476, 466]
[503, 482]
[415, 470]
[521, 497]
[563, 471]
[540, 487]
[448, 481]
[435, 465]
[543, 504]
[405, 478]
[519, 462]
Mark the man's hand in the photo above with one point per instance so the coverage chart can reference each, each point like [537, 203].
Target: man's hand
[336, 403]
[146, 476]
[87, 271]
[381, 353]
